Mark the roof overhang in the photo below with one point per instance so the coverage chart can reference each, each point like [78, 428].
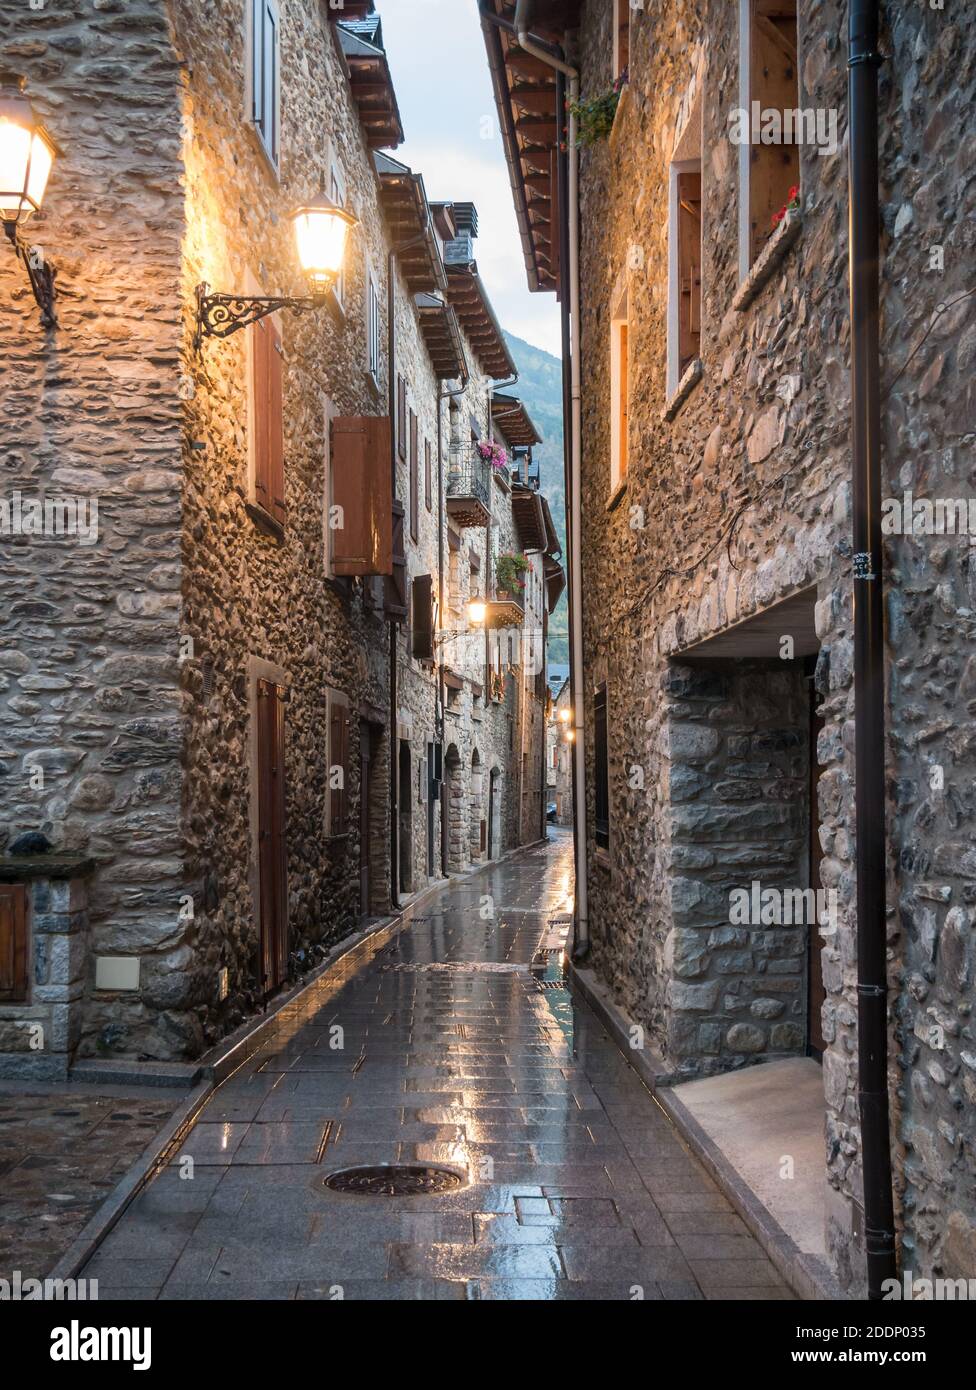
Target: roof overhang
[439, 326]
[555, 580]
[510, 418]
[407, 212]
[529, 518]
[372, 88]
[467, 294]
[526, 96]
[761, 635]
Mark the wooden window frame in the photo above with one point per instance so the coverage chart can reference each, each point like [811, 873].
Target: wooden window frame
[676, 333]
[428, 476]
[15, 952]
[749, 154]
[414, 477]
[264, 75]
[621, 37]
[265, 416]
[620, 360]
[373, 357]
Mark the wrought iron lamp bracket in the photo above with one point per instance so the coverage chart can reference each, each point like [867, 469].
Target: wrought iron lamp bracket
[220, 315]
[39, 273]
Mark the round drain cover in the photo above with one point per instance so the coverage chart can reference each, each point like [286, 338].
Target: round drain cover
[395, 1180]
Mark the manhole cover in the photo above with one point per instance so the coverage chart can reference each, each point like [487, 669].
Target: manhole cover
[394, 1181]
[551, 984]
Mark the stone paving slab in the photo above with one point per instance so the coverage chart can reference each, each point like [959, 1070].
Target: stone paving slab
[63, 1149]
[574, 1183]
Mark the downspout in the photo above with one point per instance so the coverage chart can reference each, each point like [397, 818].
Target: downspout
[441, 726]
[581, 934]
[869, 670]
[391, 265]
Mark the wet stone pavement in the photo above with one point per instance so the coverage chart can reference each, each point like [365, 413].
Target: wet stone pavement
[452, 1053]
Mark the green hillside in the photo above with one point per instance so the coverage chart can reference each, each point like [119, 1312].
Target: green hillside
[540, 386]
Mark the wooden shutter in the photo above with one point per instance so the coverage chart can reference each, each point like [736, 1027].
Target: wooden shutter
[773, 169]
[338, 758]
[414, 479]
[14, 975]
[362, 487]
[623, 35]
[272, 838]
[689, 268]
[423, 617]
[428, 477]
[396, 584]
[401, 420]
[269, 448]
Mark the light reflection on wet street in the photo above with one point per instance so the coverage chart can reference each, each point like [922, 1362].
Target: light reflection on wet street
[452, 1053]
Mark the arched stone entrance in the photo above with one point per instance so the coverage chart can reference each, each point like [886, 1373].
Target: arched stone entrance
[476, 837]
[454, 818]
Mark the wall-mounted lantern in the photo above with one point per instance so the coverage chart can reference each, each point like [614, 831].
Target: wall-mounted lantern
[321, 231]
[27, 154]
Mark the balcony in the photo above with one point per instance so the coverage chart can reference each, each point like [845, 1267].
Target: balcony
[468, 488]
[504, 610]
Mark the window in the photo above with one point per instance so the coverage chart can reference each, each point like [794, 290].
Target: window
[428, 477]
[373, 327]
[14, 968]
[621, 37]
[601, 771]
[362, 520]
[424, 621]
[401, 420]
[266, 420]
[768, 77]
[338, 790]
[414, 480]
[619, 394]
[337, 192]
[265, 91]
[685, 270]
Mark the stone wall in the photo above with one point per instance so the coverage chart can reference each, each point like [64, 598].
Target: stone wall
[93, 726]
[766, 430]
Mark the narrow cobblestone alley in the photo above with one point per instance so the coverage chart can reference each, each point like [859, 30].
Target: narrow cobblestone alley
[453, 1053]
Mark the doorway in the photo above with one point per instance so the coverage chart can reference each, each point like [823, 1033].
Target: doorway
[405, 804]
[369, 737]
[494, 816]
[272, 836]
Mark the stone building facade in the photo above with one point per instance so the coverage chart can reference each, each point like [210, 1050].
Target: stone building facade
[560, 755]
[202, 755]
[716, 554]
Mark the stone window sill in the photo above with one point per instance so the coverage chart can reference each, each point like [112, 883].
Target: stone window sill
[617, 493]
[618, 115]
[692, 375]
[769, 258]
[264, 522]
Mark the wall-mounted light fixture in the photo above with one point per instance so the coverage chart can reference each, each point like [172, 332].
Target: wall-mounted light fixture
[476, 611]
[321, 231]
[27, 154]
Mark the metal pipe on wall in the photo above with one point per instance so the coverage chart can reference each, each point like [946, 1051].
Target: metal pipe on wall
[869, 665]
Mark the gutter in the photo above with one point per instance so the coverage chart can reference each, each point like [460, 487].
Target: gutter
[869, 666]
[523, 13]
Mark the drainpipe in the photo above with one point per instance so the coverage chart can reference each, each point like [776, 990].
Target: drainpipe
[869, 670]
[441, 725]
[391, 267]
[581, 935]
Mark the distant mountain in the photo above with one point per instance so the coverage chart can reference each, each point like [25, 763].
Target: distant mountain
[540, 387]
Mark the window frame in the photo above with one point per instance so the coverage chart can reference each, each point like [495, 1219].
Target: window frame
[621, 22]
[601, 769]
[674, 372]
[264, 109]
[619, 439]
[337, 192]
[746, 11]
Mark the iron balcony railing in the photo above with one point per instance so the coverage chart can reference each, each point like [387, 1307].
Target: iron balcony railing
[469, 475]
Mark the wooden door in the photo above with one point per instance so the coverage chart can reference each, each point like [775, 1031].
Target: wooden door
[816, 994]
[272, 838]
[14, 973]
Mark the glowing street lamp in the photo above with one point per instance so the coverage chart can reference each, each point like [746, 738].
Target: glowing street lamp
[27, 154]
[321, 233]
[477, 610]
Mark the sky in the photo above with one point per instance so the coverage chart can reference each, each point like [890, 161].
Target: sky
[440, 70]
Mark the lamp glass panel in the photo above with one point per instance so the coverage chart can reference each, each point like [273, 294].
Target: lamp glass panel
[25, 164]
[321, 236]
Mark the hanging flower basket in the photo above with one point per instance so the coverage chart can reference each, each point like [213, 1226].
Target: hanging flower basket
[595, 117]
[494, 454]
